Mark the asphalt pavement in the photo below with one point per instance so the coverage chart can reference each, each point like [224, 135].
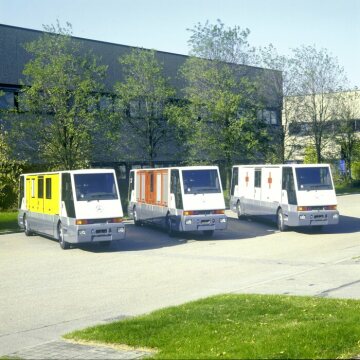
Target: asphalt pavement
[46, 292]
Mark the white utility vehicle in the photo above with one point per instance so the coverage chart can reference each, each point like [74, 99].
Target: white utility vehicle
[294, 195]
[179, 198]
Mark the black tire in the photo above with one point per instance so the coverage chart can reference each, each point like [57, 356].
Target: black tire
[169, 226]
[239, 211]
[63, 244]
[137, 222]
[208, 232]
[280, 221]
[27, 230]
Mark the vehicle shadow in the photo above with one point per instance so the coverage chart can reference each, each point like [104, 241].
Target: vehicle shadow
[149, 237]
[347, 225]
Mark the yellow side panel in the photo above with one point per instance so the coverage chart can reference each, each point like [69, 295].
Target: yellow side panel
[52, 188]
[31, 193]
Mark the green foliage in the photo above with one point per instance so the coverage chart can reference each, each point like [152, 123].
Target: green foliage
[62, 100]
[142, 100]
[242, 327]
[215, 42]
[218, 119]
[9, 174]
[310, 155]
[355, 170]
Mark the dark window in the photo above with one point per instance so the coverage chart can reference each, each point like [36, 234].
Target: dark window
[67, 194]
[201, 181]
[95, 187]
[313, 178]
[21, 190]
[257, 178]
[234, 179]
[48, 188]
[175, 188]
[151, 182]
[288, 185]
[40, 187]
[131, 184]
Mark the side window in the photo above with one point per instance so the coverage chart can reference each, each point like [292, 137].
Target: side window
[131, 184]
[67, 194]
[40, 187]
[32, 188]
[151, 182]
[257, 178]
[175, 188]
[48, 188]
[21, 190]
[288, 185]
[234, 179]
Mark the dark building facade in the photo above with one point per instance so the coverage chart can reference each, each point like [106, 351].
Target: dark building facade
[14, 57]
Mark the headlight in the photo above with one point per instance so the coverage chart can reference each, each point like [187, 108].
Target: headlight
[302, 217]
[188, 222]
[82, 232]
[223, 220]
[121, 230]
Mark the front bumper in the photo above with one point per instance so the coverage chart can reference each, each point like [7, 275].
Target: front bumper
[313, 218]
[203, 222]
[96, 233]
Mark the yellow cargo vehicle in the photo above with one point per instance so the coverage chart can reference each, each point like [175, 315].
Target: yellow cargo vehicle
[76, 206]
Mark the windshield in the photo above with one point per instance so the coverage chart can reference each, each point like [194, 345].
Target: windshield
[313, 178]
[201, 181]
[95, 187]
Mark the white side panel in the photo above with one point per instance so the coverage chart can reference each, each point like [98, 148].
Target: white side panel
[271, 185]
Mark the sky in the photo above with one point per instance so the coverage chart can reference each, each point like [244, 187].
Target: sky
[162, 24]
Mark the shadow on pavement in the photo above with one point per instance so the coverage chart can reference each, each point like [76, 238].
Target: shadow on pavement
[149, 237]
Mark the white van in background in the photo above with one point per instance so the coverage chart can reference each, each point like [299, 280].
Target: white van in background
[294, 195]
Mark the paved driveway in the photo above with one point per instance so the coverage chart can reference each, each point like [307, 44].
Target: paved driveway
[45, 292]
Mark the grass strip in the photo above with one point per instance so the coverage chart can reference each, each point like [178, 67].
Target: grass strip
[241, 326]
[8, 221]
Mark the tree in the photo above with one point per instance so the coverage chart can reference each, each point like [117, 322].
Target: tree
[215, 42]
[220, 115]
[318, 78]
[142, 99]
[344, 129]
[284, 87]
[61, 93]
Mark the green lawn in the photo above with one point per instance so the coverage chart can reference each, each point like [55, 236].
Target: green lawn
[8, 221]
[241, 326]
[347, 189]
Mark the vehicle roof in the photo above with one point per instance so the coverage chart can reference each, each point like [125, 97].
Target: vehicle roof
[281, 165]
[202, 167]
[78, 171]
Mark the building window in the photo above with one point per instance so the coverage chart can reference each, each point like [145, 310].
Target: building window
[268, 116]
[7, 100]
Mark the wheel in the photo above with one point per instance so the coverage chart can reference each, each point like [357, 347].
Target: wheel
[63, 244]
[169, 226]
[280, 221]
[239, 211]
[27, 230]
[208, 232]
[135, 216]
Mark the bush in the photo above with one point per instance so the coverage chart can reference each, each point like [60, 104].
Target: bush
[355, 170]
